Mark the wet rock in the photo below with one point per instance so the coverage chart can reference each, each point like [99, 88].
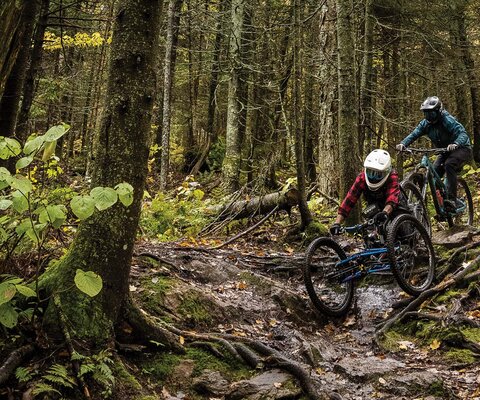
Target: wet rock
[414, 383]
[211, 383]
[367, 368]
[456, 236]
[271, 385]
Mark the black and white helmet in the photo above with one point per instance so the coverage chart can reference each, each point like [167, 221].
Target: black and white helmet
[432, 108]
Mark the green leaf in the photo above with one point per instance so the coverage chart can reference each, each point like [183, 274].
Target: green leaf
[7, 291]
[4, 174]
[56, 132]
[3, 235]
[5, 203]
[104, 197]
[24, 162]
[88, 282]
[20, 202]
[9, 148]
[53, 214]
[22, 184]
[125, 193]
[8, 315]
[26, 291]
[49, 150]
[198, 194]
[23, 226]
[33, 145]
[82, 206]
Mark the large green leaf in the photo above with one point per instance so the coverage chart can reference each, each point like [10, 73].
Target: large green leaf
[56, 132]
[22, 184]
[26, 291]
[33, 145]
[82, 206]
[104, 197]
[7, 291]
[4, 174]
[88, 282]
[53, 214]
[9, 148]
[49, 150]
[8, 316]
[23, 162]
[125, 193]
[20, 202]
[5, 203]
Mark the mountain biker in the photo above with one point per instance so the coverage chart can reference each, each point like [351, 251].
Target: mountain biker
[378, 182]
[444, 131]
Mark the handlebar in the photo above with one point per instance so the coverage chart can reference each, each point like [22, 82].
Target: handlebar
[358, 227]
[440, 150]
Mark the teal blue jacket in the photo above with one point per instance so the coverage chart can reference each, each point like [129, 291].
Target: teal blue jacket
[442, 133]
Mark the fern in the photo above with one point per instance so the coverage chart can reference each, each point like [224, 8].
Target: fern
[23, 374]
[43, 388]
[58, 374]
[86, 368]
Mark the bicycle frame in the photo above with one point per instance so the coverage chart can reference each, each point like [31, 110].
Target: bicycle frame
[435, 182]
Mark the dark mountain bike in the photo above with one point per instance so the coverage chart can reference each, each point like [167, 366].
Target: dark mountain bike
[424, 178]
[402, 246]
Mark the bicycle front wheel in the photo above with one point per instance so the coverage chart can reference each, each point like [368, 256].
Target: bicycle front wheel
[331, 291]
[416, 204]
[411, 254]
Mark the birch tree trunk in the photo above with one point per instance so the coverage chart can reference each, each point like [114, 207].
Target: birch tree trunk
[232, 161]
[173, 16]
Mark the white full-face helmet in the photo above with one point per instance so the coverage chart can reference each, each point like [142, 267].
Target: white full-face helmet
[377, 168]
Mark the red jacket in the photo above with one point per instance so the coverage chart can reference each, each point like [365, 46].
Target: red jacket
[388, 194]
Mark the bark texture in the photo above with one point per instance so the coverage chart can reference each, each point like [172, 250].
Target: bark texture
[104, 242]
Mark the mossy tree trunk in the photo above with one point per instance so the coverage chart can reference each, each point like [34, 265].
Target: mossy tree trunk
[104, 242]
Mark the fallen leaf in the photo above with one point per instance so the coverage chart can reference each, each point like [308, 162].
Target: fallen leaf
[435, 344]
[382, 381]
[155, 280]
[350, 321]
[182, 340]
[133, 288]
[277, 384]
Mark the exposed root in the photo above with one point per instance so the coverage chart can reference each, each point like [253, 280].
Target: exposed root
[209, 347]
[252, 359]
[14, 360]
[148, 329]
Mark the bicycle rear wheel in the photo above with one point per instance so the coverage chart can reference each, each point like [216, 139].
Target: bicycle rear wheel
[411, 254]
[324, 281]
[416, 204]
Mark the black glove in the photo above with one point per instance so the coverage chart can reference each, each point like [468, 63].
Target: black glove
[452, 147]
[335, 229]
[400, 147]
[380, 218]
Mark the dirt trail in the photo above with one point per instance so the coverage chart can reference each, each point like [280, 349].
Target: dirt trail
[260, 294]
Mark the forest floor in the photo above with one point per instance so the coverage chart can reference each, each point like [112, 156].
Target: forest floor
[254, 289]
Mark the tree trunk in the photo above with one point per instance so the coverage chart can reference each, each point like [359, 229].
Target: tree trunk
[347, 116]
[305, 214]
[10, 100]
[232, 160]
[365, 122]
[104, 242]
[174, 7]
[327, 137]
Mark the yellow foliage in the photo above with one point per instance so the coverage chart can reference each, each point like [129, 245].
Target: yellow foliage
[81, 39]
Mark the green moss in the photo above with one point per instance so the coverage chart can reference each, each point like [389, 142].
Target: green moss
[447, 296]
[152, 295]
[229, 366]
[196, 308]
[472, 334]
[390, 340]
[436, 389]
[314, 230]
[161, 366]
[461, 356]
[148, 398]
[124, 378]
[254, 280]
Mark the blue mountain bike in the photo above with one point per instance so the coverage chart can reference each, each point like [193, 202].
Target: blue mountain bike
[425, 177]
[402, 246]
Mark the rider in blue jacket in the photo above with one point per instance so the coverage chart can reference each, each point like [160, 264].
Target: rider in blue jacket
[444, 131]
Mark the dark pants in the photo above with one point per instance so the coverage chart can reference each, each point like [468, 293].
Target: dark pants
[449, 164]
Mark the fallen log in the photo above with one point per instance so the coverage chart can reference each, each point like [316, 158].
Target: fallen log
[256, 206]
